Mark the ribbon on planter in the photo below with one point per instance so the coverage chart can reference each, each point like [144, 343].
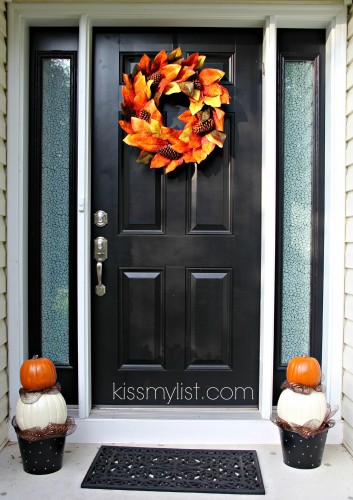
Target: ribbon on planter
[50, 431]
[308, 429]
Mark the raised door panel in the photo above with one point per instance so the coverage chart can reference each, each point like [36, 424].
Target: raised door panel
[141, 319]
[209, 319]
[209, 189]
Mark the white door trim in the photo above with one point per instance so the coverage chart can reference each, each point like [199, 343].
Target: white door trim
[268, 216]
[335, 201]
[333, 18]
[84, 218]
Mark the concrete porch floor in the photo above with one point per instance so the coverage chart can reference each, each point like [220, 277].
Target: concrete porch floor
[332, 481]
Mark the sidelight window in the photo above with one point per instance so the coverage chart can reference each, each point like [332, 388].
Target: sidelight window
[300, 203]
[52, 201]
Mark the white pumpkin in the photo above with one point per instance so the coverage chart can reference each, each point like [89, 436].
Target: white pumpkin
[299, 408]
[49, 408]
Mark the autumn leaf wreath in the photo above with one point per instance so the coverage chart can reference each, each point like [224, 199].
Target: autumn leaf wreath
[163, 146]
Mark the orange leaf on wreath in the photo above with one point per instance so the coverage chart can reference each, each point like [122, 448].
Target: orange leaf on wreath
[151, 107]
[212, 90]
[140, 101]
[199, 155]
[139, 125]
[127, 81]
[173, 165]
[181, 147]
[225, 97]
[146, 142]
[194, 140]
[126, 126]
[159, 61]
[216, 137]
[191, 61]
[215, 102]
[134, 139]
[151, 144]
[207, 146]
[145, 64]
[140, 84]
[209, 75]
[162, 85]
[171, 71]
[218, 118]
[159, 161]
[189, 157]
[128, 96]
[184, 74]
[186, 117]
[170, 134]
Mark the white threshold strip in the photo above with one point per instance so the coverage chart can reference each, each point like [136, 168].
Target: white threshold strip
[174, 425]
[180, 426]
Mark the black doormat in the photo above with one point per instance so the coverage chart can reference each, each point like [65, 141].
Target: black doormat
[165, 469]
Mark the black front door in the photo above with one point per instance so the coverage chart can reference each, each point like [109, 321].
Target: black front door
[179, 322]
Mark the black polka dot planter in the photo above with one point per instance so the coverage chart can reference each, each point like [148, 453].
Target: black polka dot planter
[300, 452]
[42, 457]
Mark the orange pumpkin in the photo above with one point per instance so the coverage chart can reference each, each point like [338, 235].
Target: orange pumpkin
[37, 373]
[304, 370]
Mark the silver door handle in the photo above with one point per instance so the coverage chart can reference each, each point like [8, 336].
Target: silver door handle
[100, 254]
[100, 288]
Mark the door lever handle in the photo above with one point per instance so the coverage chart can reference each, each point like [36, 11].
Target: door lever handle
[100, 254]
[100, 288]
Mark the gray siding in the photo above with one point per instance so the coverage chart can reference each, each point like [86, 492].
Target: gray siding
[4, 405]
[347, 399]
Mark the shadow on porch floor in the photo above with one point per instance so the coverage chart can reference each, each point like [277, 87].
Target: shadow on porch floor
[332, 481]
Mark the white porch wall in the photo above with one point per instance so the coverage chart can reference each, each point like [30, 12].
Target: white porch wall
[3, 331]
[347, 401]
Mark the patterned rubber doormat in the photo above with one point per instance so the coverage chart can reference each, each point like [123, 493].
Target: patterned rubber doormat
[166, 469]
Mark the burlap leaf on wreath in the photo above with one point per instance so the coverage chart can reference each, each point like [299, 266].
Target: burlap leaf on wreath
[309, 428]
[50, 431]
[30, 397]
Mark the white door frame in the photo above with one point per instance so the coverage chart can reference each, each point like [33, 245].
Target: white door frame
[173, 425]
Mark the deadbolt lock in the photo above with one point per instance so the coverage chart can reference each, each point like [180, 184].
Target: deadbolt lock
[101, 218]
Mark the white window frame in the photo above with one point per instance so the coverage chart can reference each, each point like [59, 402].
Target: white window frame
[173, 425]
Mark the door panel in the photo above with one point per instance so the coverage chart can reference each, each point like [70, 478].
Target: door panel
[141, 312]
[208, 311]
[213, 183]
[179, 324]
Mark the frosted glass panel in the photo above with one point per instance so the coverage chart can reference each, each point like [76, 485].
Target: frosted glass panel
[297, 207]
[56, 111]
